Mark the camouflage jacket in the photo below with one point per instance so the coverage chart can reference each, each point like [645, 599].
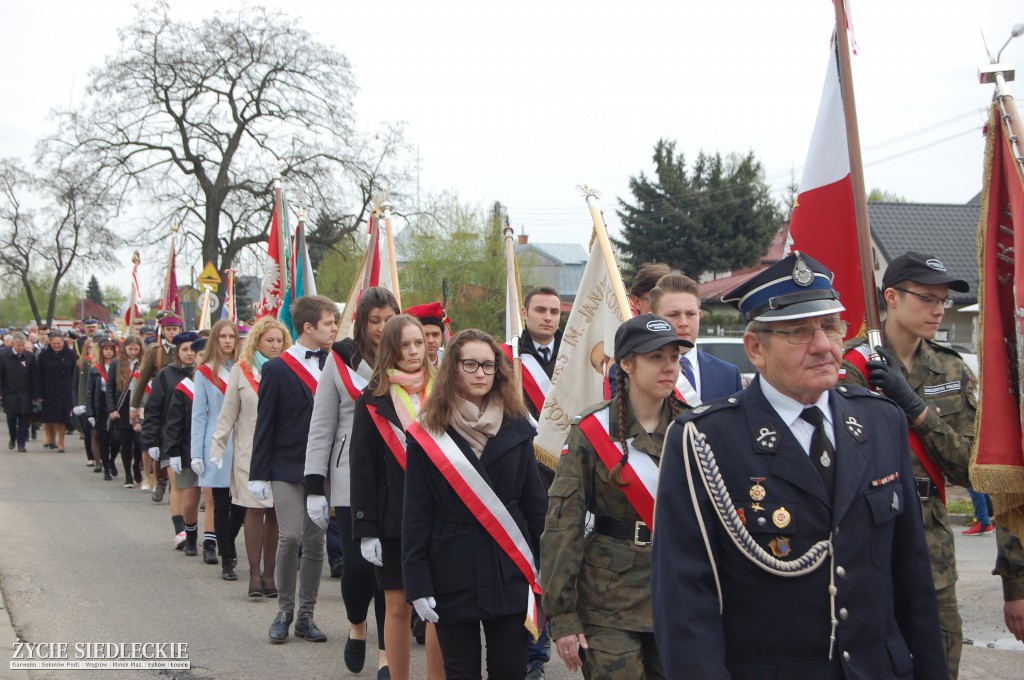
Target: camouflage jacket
[942, 379]
[1010, 564]
[593, 578]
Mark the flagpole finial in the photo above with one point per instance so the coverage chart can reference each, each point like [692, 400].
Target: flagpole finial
[588, 191]
[175, 228]
[136, 258]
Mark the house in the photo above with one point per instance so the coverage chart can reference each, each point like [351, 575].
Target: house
[556, 265]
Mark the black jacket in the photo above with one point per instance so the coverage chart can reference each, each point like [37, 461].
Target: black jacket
[119, 400]
[282, 425]
[158, 403]
[96, 394]
[378, 481]
[16, 382]
[178, 427]
[447, 553]
[54, 373]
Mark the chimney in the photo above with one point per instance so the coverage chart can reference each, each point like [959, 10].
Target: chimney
[523, 239]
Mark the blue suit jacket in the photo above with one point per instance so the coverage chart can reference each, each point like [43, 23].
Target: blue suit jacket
[718, 378]
[774, 626]
[282, 425]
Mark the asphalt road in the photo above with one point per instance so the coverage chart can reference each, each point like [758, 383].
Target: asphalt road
[83, 560]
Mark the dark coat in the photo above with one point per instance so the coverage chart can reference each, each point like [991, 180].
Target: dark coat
[447, 553]
[54, 374]
[16, 382]
[377, 479]
[774, 626]
[118, 398]
[159, 402]
[526, 346]
[282, 425]
[96, 395]
[178, 426]
[718, 378]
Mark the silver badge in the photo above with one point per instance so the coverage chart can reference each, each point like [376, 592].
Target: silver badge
[700, 409]
[854, 427]
[767, 439]
[895, 502]
[802, 274]
[825, 460]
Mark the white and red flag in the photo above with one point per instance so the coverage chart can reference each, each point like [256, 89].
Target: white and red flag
[275, 270]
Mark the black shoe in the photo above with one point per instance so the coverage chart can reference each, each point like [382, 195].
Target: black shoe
[336, 569]
[106, 476]
[383, 673]
[10, 445]
[306, 628]
[158, 492]
[210, 553]
[279, 628]
[536, 673]
[113, 469]
[191, 549]
[227, 570]
[22, 449]
[419, 630]
[355, 654]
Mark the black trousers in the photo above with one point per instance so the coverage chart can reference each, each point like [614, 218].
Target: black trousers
[17, 423]
[108, 452]
[227, 522]
[358, 582]
[129, 443]
[506, 640]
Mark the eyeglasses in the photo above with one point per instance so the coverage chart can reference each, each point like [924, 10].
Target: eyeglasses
[835, 331]
[929, 300]
[472, 366]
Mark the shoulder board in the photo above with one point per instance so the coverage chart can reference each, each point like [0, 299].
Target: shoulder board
[942, 349]
[851, 391]
[710, 407]
[593, 408]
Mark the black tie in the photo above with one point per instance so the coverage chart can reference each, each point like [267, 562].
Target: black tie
[545, 353]
[823, 455]
[321, 356]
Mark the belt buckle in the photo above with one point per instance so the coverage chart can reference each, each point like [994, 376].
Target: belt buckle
[640, 525]
[924, 487]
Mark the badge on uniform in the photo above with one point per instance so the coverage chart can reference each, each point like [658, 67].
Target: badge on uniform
[767, 438]
[781, 518]
[757, 491]
[700, 409]
[895, 502]
[780, 547]
[742, 515]
[802, 274]
[854, 427]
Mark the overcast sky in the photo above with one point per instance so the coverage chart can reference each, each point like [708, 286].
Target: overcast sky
[519, 102]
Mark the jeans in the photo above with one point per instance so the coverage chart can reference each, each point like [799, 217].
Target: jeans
[982, 507]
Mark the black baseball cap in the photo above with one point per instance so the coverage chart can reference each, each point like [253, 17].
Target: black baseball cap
[920, 268]
[645, 333]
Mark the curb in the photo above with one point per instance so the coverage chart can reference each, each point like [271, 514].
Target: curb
[7, 639]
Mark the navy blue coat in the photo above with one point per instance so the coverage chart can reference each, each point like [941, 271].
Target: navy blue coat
[54, 374]
[718, 378]
[282, 425]
[776, 626]
[377, 480]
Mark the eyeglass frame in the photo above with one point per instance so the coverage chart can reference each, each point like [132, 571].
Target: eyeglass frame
[479, 365]
[946, 302]
[842, 328]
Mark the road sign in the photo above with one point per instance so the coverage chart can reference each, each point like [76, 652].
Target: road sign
[209, 277]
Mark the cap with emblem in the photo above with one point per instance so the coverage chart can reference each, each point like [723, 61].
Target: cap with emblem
[795, 287]
[148, 330]
[171, 320]
[105, 341]
[920, 268]
[90, 322]
[182, 338]
[645, 333]
[432, 314]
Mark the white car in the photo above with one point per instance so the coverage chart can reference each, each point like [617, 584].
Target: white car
[731, 350]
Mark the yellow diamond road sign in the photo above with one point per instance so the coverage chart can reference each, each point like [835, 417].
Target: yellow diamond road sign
[209, 277]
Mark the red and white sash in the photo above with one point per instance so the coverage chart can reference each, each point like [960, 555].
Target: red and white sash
[488, 509]
[685, 391]
[640, 472]
[536, 382]
[187, 387]
[224, 374]
[250, 376]
[393, 435]
[307, 378]
[354, 381]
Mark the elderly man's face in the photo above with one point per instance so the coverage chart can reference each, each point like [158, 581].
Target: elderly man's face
[802, 372]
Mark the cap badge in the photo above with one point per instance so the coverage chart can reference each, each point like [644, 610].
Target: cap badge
[658, 326]
[936, 264]
[802, 274]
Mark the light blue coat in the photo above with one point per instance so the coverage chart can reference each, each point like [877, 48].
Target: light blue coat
[206, 407]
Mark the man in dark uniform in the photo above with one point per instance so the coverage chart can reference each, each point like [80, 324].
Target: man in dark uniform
[1010, 568]
[787, 540]
[938, 394]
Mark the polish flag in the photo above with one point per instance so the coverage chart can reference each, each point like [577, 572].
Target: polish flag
[823, 223]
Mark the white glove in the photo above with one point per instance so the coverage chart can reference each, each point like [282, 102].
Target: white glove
[217, 462]
[371, 550]
[78, 410]
[154, 452]
[424, 607]
[318, 510]
[260, 490]
[176, 464]
[197, 466]
[92, 421]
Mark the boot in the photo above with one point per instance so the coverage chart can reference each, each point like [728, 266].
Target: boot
[227, 570]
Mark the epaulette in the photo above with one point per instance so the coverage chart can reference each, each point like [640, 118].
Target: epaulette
[709, 407]
[593, 408]
[851, 391]
[942, 349]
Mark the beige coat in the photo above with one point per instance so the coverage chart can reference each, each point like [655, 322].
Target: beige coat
[239, 415]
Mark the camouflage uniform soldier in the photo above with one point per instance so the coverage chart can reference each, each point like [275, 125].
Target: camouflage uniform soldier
[1010, 567]
[938, 393]
[156, 357]
[597, 589]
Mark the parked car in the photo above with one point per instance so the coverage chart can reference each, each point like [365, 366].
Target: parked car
[731, 350]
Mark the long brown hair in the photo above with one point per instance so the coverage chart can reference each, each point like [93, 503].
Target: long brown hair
[214, 354]
[389, 353]
[437, 412]
[86, 358]
[372, 298]
[124, 364]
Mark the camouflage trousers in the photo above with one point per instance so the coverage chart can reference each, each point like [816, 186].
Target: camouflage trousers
[614, 654]
[952, 628]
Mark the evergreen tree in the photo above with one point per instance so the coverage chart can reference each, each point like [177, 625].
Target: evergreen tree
[718, 216]
[93, 292]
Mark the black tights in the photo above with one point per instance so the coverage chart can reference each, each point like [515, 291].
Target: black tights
[358, 582]
[106, 441]
[227, 522]
[506, 639]
[130, 444]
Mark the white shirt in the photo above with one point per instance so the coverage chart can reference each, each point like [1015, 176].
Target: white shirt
[789, 410]
[691, 356]
[312, 364]
[550, 348]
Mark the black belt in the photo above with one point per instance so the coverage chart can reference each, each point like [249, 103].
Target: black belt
[637, 532]
[926, 488]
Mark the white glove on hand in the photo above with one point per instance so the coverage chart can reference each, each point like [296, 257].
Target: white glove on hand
[92, 421]
[154, 452]
[259, 490]
[198, 467]
[371, 550]
[176, 464]
[424, 607]
[217, 462]
[78, 410]
[318, 510]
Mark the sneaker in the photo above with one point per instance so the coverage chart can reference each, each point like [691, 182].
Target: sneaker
[145, 487]
[179, 540]
[128, 484]
[158, 492]
[978, 529]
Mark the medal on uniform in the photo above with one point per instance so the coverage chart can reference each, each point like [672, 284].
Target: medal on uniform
[781, 518]
[756, 507]
[825, 460]
[757, 491]
[780, 547]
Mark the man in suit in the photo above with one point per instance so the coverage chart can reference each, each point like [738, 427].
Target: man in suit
[16, 389]
[788, 539]
[677, 299]
[287, 387]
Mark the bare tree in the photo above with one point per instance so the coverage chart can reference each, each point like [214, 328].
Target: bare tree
[199, 116]
[48, 222]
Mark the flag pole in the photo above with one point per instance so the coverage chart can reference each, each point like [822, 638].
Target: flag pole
[512, 295]
[390, 234]
[133, 299]
[860, 201]
[999, 74]
[373, 244]
[601, 232]
[170, 269]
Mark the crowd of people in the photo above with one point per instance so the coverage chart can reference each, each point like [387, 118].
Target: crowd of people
[404, 458]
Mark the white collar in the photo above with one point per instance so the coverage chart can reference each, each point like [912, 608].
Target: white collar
[788, 408]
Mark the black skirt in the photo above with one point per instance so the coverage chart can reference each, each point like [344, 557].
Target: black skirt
[389, 577]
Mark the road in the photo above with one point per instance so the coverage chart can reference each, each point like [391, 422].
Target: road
[83, 560]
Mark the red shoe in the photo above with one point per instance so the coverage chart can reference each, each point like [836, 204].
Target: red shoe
[978, 529]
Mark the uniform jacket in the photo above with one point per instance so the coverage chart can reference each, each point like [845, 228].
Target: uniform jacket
[330, 428]
[718, 378]
[594, 578]
[178, 428]
[942, 379]
[159, 402]
[446, 552]
[377, 480]
[238, 421]
[54, 373]
[282, 425]
[114, 397]
[154, 360]
[1009, 564]
[776, 626]
[206, 408]
[96, 395]
[16, 382]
